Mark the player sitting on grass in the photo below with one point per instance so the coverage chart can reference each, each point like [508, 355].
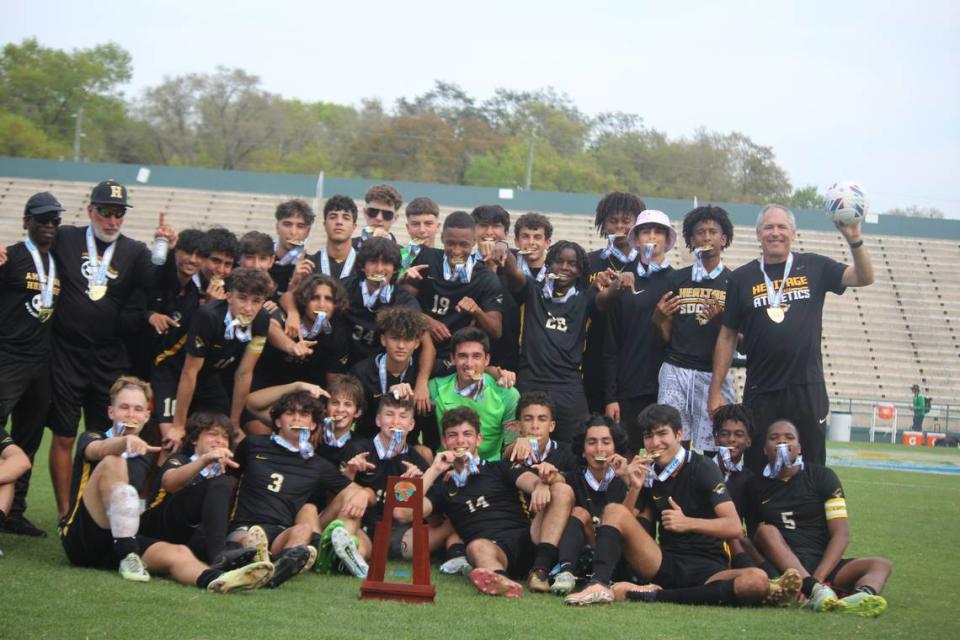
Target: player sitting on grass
[345, 407]
[597, 483]
[800, 516]
[101, 527]
[685, 495]
[482, 502]
[13, 464]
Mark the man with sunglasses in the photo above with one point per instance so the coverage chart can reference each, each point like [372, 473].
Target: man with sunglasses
[383, 202]
[29, 288]
[99, 270]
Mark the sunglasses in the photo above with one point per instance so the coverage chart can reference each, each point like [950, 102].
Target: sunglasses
[111, 213]
[386, 214]
[48, 218]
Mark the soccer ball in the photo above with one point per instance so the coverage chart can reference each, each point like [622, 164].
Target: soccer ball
[846, 203]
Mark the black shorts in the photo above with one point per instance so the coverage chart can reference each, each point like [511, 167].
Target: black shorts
[87, 544]
[811, 560]
[678, 571]
[164, 381]
[81, 378]
[519, 549]
[806, 406]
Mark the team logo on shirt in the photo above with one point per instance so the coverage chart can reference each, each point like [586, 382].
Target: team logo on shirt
[86, 270]
[720, 488]
[198, 342]
[35, 306]
[796, 288]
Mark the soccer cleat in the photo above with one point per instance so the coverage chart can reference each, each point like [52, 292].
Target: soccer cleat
[289, 563]
[345, 546]
[131, 568]
[862, 604]
[784, 589]
[20, 526]
[538, 581]
[495, 584]
[454, 566]
[563, 583]
[257, 539]
[231, 559]
[251, 576]
[325, 554]
[594, 594]
[312, 559]
[822, 599]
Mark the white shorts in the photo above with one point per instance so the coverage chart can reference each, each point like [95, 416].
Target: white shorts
[687, 390]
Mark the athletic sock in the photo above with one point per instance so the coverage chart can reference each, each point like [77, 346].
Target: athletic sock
[122, 547]
[456, 550]
[502, 572]
[867, 589]
[207, 576]
[771, 570]
[3, 517]
[741, 561]
[315, 540]
[607, 553]
[546, 556]
[571, 543]
[808, 584]
[720, 592]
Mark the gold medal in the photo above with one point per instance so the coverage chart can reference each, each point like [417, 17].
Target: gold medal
[44, 313]
[97, 291]
[460, 452]
[553, 276]
[377, 277]
[776, 314]
[295, 243]
[216, 282]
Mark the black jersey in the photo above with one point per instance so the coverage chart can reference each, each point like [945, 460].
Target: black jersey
[275, 482]
[336, 266]
[592, 500]
[24, 332]
[633, 352]
[505, 352]
[691, 340]
[593, 369]
[439, 297]
[176, 301]
[553, 336]
[357, 242]
[376, 478]
[737, 487]
[173, 462]
[330, 355]
[368, 373]
[80, 320]
[207, 340]
[563, 459]
[697, 488]
[799, 507]
[489, 504]
[785, 353]
[364, 338]
[281, 274]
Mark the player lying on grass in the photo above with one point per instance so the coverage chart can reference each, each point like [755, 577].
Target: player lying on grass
[482, 502]
[13, 464]
[101, 527]
[684, 494]
[799, 514]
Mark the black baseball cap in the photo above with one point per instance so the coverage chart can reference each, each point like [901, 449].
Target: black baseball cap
[110, 192]
[40, 203]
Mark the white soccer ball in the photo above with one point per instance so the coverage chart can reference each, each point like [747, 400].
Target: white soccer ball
[845, 203]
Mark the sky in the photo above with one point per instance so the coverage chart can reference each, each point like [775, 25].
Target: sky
[840, 90]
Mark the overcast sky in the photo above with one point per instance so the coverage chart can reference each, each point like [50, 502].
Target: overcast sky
[867, 91]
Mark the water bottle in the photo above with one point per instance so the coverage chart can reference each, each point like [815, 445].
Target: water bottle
[160, 248]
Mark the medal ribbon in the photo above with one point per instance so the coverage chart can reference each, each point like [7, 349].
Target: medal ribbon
[535, 456]
[413, 250]
[612, 250]
[330, 437]
[525, 268]
[471, 466]
[474, 391]
[45, 280]
[603, 484]
[652, 268]
[725, 462]
[783, 460]
[461, 272]
[304, 448]
[548, 291]
[212, 470]
[347, 264]
[667, 471]
[699, 273]
[370, 298]
[320, 325]
[382, 368]
[234, 331]
[293, 255]
[99, 267]
[116, 431]
[396, 440]
[775, 298]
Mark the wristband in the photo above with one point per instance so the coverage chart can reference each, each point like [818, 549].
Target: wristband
[857, 244]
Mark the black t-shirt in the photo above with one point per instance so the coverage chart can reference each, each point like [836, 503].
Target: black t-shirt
[178, 302]
[22, 331]
[364, 338]
[505, 352]
[554, 334]
[489, 504]
[173, 462]
[562, 458]
[275, 482]
[357, 242]
[593, 369]
[592, 500]
[330, 355]
[376, 478]
[439, 297]
[336, 266]
[281, 274]
[368, 373]
[785, 353]
[691, 342]
[737, 487]
[697, 488]
[796, 507]
[207, 340]
[79, 320]
[633, 352]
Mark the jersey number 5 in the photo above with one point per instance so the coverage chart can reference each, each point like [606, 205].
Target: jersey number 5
[786, 517]
[480, 503]
[277, 479]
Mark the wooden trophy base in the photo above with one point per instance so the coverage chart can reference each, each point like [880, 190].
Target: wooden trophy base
[410, 593]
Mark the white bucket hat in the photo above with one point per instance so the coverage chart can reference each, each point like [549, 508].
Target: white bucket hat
[653, 216]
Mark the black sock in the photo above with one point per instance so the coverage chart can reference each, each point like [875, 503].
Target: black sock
[3, 517]
[122, 547]
[207, 576]
[502, 572]
[546, 556]
[771, 570]
[315, 539]
[865, 588]
[741, 561]
[456, 550]
[607, 553]
[808, 584]
[571, 543]
[720, 592]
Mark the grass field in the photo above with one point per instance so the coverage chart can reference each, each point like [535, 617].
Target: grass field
[911, 518]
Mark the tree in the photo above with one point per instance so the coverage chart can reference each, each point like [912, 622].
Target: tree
[20, 137]
[806, 198]
[914, 211]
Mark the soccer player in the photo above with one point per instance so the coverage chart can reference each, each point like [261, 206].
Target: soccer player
[455, 289]
[14, 463]
[536, 414]
[29, 289]
[345, 407]
[101, 528]
[493, 223]
[482, 502]
[684, 494]
[294, 221]
[532, 234]
[338, 257]
[633, 352]
[470, 386]
[615, 215]
[383, 203]
[776, 302]
[687, 318]
[99, 270]
[799, 512]
[219, 251]
[256, 252]
[423, 222]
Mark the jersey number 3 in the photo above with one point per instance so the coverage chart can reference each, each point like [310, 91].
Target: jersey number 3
[277, 482]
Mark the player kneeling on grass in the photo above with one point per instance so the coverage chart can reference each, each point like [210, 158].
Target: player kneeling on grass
[482, 502]
[101, 528]
[13, 464]
[684, 493]
[799, 514]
